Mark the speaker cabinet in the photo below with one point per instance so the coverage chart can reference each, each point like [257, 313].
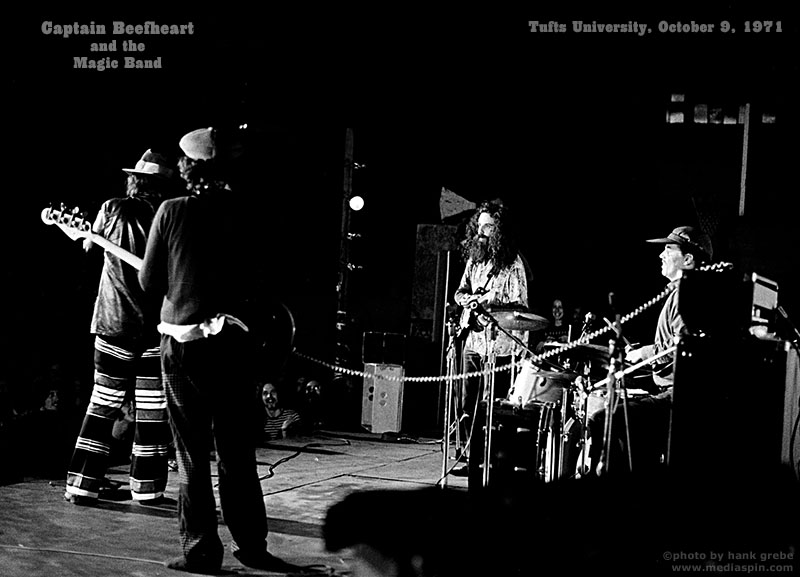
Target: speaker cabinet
[382, 400]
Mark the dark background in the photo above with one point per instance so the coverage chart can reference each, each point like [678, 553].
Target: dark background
[569, 129]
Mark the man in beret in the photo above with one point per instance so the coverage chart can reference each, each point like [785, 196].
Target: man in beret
[196, 259]
[685, 248]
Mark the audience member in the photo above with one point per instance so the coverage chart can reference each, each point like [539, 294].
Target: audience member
[280, 422]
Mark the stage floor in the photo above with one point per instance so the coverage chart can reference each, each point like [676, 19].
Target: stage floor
[42, 535]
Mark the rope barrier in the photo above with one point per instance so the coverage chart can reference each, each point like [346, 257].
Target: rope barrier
[721, 266]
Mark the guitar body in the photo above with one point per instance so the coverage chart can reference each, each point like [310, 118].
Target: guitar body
[469, 322]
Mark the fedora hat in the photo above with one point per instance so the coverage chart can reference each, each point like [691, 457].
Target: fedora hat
[688, 236]
[151, 163]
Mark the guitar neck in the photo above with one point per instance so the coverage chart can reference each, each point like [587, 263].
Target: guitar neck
[75, 226]
[117, 251]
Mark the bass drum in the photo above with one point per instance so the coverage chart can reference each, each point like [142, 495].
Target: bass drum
[524, 445]
[532, 385]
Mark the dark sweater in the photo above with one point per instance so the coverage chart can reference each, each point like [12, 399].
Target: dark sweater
[196, 258]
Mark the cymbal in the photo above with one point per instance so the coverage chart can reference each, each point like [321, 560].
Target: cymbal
[517, 320]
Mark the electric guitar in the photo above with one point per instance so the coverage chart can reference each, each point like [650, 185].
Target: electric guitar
[470, 319]
[270, 323]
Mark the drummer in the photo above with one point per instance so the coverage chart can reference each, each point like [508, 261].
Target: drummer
[685, 248]
[494, 276]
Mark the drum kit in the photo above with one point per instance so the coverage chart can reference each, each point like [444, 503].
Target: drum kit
[565, 399]
[556, 403]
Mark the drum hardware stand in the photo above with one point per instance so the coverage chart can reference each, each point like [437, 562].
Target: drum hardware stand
[491, 360]
[562, 438]
[546, 463]
[586, 389]
[614, 357]
[449, 402]
[611, 381]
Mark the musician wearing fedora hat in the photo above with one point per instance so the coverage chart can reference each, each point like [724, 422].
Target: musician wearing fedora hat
[685, 248]
[126, 357]
[195, 263]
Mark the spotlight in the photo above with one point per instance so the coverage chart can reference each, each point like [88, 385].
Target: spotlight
[356, 203]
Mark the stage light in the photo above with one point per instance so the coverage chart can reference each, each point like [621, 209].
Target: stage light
[356, 203]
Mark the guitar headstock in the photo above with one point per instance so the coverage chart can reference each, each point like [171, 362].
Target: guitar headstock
[72, 222]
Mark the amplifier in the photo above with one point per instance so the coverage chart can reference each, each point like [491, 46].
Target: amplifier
[729, 408]
[382, 398]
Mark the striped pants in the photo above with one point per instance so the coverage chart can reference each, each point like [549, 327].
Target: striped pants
[122, 368]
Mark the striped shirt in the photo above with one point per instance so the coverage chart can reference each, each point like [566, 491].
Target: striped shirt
[274, 426]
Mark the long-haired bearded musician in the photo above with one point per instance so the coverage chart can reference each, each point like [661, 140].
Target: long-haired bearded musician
[494, 276]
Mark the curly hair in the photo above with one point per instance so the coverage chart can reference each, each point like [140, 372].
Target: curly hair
[202, 176]
[151, 189]
[501, 246]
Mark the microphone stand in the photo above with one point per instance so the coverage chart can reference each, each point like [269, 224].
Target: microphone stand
[491, 359]
[449, 401]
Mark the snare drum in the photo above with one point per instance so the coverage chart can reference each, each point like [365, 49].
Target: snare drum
[533, 385]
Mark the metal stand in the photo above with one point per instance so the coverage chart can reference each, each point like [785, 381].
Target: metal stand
[491, 361]
[560, 463]
[614, 359]
[585, 392]
[449, 403]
